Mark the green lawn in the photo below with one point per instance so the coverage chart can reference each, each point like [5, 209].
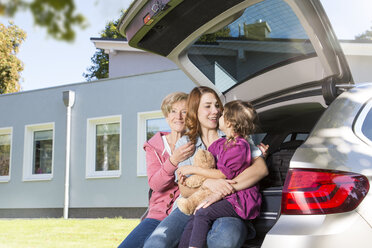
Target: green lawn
[55, 233]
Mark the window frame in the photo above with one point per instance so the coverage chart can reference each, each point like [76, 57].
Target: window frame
[142, 117]
[7, 130]
[360, 121]
[28, 156]
[90, 167]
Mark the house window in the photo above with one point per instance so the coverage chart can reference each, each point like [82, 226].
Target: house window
[5, 153]
[103, 147]
[38, 152]
[149, 123]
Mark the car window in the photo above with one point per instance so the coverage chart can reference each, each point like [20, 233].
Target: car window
[367, 125]
[266, 35]
[363, 125]
[258, 137]
[296, 136]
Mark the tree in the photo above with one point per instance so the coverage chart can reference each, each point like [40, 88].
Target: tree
[367, 35]
[210, 38]
[57, 16]
[100, 59]
[11, 38]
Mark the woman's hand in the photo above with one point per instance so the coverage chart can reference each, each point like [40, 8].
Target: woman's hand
[264, 149]
[181, 153]
[209, 201]
[221, 187]
[182, 173]
[186, 170]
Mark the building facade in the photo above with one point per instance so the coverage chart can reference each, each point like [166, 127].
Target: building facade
[96, 130]
[110, 120]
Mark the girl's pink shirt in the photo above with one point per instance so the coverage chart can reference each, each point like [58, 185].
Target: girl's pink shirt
[232, 160]
[160, 173]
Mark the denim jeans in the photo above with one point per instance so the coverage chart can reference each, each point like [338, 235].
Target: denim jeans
[196, 231]
[139, 234]
[225, 232]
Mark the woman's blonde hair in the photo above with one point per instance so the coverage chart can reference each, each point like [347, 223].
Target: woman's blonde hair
[242, 116]
[169, 100]
[193, 101]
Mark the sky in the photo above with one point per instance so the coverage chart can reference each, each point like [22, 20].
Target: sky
[49, 63]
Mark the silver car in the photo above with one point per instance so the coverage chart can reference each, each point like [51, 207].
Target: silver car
[283, 56]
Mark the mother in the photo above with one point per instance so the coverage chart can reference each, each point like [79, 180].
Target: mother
[204, 109]
[160, 150]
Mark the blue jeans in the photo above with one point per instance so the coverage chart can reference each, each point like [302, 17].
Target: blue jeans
[139, 234]
[196, 230]
[225, 232]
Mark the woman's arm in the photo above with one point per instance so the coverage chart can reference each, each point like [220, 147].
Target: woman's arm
[244, 180]
[160, 177]
[189, 170]
[252, 175]
[204, 172]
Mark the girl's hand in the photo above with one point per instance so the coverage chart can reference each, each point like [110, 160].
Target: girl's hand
[264, 149]
[221, 187]
[208, 201]
[182, 153]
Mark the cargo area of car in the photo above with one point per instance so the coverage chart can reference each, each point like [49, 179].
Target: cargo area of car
[284, 129]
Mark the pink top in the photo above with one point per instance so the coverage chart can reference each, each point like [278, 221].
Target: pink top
[231, 161]
[160, 173]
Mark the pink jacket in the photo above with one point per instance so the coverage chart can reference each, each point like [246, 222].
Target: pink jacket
[160, 173]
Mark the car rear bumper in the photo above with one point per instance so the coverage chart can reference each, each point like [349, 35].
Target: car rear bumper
[309, 231]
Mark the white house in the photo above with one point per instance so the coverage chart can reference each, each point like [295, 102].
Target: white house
[76, 150]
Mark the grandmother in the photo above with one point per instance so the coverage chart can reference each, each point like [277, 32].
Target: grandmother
[162, 159]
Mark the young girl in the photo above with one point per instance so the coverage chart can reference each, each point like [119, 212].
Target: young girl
[233, 156]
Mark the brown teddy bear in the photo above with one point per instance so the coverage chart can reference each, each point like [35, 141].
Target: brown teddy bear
[205, 159]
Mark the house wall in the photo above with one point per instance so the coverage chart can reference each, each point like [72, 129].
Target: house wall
[125, 63]
[125, 96]
[360, 67]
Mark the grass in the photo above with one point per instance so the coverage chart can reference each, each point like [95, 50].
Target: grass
[56, 233]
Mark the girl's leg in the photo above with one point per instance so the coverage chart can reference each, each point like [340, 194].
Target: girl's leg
[139, 234]
[204, 219]
[168, 233]
[185, 238]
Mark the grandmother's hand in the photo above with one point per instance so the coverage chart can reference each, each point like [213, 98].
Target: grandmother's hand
[221, 187]
[181, 153]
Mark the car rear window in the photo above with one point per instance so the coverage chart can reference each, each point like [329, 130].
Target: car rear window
[367, 124]
[264, 36]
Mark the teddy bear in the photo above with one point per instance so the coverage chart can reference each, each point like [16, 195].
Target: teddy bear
[205, 159]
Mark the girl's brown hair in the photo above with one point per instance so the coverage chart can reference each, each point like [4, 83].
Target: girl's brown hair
[242, 116]
[193, 101]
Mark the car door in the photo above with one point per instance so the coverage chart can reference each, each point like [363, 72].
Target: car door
[252, 50]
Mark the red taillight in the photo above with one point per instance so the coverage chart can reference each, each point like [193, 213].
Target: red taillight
[308, 191]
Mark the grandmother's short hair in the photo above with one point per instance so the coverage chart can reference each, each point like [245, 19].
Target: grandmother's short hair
[171, 99]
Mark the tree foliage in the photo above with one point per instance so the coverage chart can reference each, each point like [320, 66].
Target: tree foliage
[100, 60]
[57, 16]
[11, 37]
[222, 33]
[367, 35]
